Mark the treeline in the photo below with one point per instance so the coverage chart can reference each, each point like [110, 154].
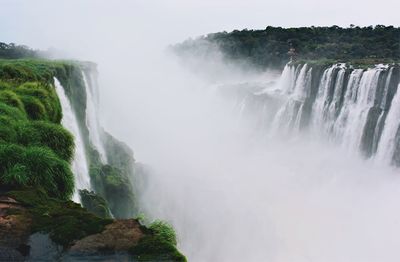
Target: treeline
[13, 51]
[270, 47]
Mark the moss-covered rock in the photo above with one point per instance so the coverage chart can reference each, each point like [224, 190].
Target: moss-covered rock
[159, 244]
[65, 221]
[114, 186]
[94, 203]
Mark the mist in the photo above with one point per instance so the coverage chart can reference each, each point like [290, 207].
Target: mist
[231, 192]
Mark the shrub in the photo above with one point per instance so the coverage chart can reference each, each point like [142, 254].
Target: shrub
[46, 94]
[164, 231]
[47, 134]
[55, 137]
[4, 85]
[158, 245]
[7, 133]
[94, 203]
[37, 167]
[34, 108]
[12, 112]
[10, 98]
[50, 172]
[16, 176]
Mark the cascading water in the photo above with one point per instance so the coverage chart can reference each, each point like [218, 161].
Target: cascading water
[79, 163]
[235, 193]
[386, 146]
[352, 107]
[92, 121]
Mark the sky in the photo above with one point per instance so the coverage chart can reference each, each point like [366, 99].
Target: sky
[77, 26]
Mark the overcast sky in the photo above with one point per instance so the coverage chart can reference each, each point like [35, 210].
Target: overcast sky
[78, 25]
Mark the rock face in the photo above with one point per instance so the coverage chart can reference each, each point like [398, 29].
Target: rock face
[18, 244]
[118, 236]
[14, 231]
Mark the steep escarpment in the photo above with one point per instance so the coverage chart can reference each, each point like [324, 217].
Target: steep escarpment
[357, 108]
[39, 171]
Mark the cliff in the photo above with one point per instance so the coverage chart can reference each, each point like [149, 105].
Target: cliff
[38, 175]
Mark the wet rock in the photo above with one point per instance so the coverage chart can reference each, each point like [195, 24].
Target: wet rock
[118, 236]
[14, 230]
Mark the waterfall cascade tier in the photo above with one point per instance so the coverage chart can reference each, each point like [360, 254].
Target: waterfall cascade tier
[80, 163]
[92, 121]
[356, 108]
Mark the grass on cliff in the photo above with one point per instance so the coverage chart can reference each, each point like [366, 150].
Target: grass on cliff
[159, 244]
[36, 167]
[35, 150]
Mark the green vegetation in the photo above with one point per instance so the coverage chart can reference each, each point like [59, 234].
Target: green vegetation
[269, 47]
[94, 203]
[158, 245]
[65, 221]
[13, 51]
[114, 186]
[35, 150]
[37, 167]
[36, 154]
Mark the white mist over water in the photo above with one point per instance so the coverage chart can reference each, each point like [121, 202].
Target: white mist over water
[233, 195]
[79, 163]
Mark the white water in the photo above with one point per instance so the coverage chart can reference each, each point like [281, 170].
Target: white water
[92, 120]
[392, 125]
[233, 195]
[340, 110]
[79, 163]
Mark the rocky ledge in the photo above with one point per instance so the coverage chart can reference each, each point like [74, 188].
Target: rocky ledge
[33, 228]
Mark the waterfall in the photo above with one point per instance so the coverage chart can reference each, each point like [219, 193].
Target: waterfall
[358, 109]
[79, 163]
[92, 121]
[386, 147]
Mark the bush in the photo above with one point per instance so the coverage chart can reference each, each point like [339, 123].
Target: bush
[11, 112]
[16, 176]
[10, 98]
[158, 245]
[50, 172]
[164, 231]
[55, 137]
[94, 203]
[46, 95]
[36, 167]
[34, 108]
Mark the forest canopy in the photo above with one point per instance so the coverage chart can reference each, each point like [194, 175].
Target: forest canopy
[269, 47]
[14, 51]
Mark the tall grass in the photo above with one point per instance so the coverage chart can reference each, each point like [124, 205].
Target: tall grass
[35, 167]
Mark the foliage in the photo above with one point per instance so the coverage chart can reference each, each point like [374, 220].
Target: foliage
[47, 97]
[114, 186]
[47, 134]
[164, 231]
[37, 167]
[10, 98]
[158, 245]
[94, 203]
[269, 47]
[11, 112]
[13, 51]
[33, 153]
